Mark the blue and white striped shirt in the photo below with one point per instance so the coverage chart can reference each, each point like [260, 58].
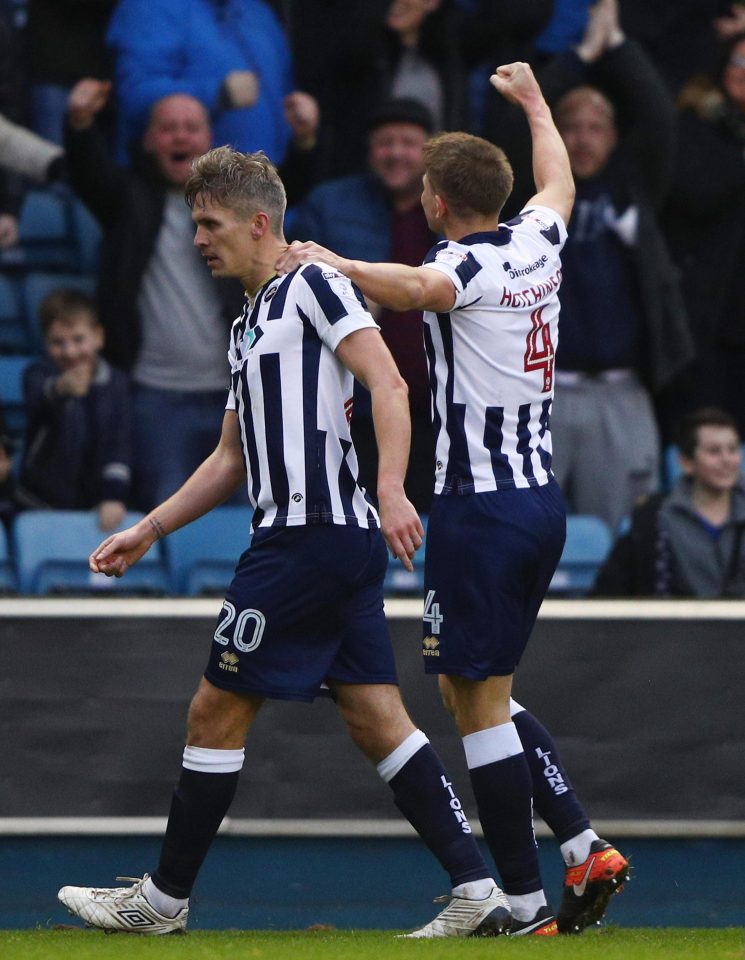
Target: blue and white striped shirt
[491, 358]
[294, 399]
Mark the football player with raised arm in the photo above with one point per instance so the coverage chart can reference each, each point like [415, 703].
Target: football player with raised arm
[497, 525]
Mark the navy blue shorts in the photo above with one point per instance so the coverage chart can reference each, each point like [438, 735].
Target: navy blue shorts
[490, 558]
[305, 606]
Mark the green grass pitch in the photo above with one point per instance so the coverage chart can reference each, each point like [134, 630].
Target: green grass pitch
[610, 943]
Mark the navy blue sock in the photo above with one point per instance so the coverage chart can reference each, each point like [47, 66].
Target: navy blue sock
[503, 791]
[200, 801]
[553, 795]
[423, 792]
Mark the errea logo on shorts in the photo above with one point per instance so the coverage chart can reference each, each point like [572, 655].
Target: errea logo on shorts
[229, 661]
[430, 645]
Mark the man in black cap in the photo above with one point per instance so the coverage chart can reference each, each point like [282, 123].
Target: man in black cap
[376, 215]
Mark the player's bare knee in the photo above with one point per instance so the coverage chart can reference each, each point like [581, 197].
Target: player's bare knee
[447, 694]
[219, 719]
[377, 742]
[375, 717]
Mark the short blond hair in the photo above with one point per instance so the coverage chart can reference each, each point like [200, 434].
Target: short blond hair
[245, 182]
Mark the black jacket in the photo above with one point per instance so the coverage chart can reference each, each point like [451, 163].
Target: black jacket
[705, 221]
[129, 205]
[642, 169]
[667, 551]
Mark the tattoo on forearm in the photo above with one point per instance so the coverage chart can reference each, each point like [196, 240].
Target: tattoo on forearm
[157, 527]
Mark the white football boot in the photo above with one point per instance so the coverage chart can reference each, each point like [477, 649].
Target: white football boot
[489, 917]
[125, 909]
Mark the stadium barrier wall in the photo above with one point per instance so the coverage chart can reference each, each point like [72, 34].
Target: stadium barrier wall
[644, 700]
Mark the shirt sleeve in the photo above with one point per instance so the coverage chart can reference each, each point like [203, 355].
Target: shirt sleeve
[233, 362]
[458, 263]
[544, 224]
[333, 304]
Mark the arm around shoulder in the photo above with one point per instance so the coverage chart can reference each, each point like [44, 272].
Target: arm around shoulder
[399, 287]
[392, 285]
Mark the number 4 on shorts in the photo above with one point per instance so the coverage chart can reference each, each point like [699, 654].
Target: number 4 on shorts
[432, 614]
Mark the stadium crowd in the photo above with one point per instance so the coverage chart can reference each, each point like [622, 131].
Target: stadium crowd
[101, 118]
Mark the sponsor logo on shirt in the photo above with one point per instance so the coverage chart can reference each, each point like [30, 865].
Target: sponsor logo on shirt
[514, 272]
[251, 336]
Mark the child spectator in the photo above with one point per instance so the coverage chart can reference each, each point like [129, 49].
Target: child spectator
[690, 542]
[77, 450]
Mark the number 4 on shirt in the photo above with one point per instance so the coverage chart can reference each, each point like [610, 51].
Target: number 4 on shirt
[539, 353]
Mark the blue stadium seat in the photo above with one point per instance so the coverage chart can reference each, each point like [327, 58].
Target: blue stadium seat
[52, 549]
[401, 582]
[11, 393]
[15, 336]
[38, 284]
[47, 240]
[8, 582]
[587, 545]
[202, 555]
[671, 469]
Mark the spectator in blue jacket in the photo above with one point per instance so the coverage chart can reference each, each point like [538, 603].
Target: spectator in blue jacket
[77, 451]
[232, 55]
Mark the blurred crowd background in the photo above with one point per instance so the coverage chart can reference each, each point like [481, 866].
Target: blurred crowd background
[113, 333]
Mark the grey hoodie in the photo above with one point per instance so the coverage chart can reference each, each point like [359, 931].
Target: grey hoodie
[704, 563]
